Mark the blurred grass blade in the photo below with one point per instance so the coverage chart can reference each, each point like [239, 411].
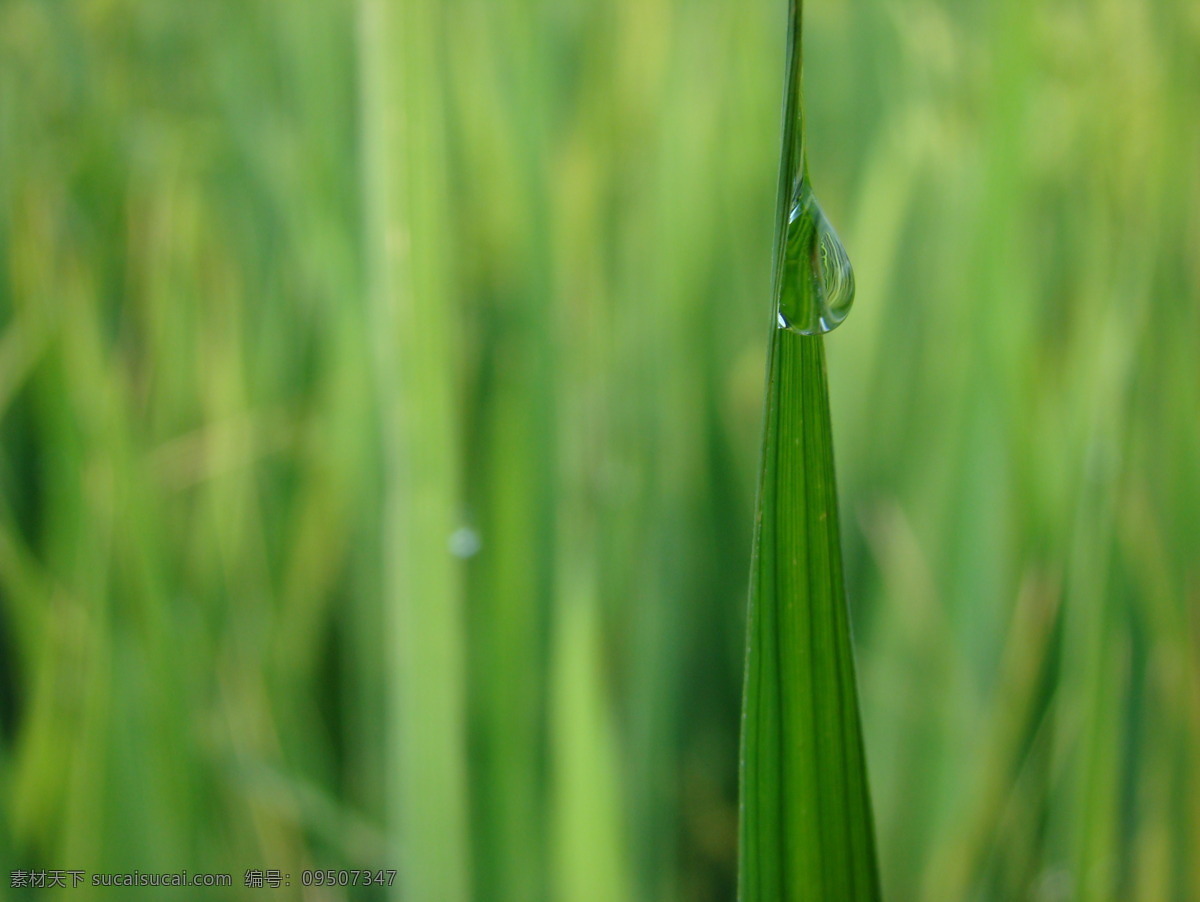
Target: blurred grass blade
[414, 323]
[806, 822]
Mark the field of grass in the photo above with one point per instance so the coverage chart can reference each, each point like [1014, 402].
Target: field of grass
[380, 404]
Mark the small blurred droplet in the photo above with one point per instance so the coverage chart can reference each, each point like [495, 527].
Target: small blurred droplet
[465, 542]
[816, 281]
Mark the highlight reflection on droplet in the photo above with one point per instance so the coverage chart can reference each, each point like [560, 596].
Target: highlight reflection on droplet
[816, 281]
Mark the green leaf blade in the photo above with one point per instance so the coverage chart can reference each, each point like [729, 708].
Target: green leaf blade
[806, 822]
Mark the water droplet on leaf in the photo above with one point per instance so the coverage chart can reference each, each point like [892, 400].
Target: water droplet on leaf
[816, 282]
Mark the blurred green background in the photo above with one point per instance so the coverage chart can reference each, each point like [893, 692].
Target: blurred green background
[380, 392]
